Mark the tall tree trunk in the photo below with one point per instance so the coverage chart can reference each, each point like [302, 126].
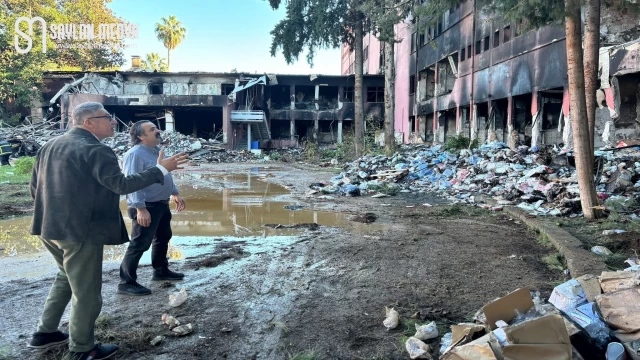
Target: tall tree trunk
[579, 123]
[591, 55]
[168, 59]
[389, 98]
[358, 95]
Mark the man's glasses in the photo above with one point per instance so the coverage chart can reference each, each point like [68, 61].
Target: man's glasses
[110, 117]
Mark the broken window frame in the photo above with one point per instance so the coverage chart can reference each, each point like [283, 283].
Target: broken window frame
[506, 34]
[226, 89]
[375, 93]
[347, 94]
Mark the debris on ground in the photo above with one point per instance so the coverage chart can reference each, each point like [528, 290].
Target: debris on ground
[601, 250]
[417, 349]
[426, 332]
[542, 182]
[178, 298]
[170, 320]
[157, 340]
[392, 318]
[28, 138]
[309, 226]
[183, 330]
[586, 317]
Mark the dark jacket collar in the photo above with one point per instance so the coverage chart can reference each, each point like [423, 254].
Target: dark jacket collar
[76, 131]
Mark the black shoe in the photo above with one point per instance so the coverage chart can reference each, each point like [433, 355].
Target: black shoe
[97, 353]
[166, 274]
[41, 340]
[134, 289]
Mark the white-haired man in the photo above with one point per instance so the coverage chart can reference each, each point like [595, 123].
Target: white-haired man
[76, 184]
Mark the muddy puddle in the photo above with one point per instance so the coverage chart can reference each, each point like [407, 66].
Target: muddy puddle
[220, 207]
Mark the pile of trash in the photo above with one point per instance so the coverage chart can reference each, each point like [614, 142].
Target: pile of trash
[542, 182]
[27, 139]
[585, 318]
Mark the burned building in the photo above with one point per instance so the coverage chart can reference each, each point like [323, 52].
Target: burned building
[475, 75]
[236, 109]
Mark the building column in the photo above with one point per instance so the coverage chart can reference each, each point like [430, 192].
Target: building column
[435, 126]
[474, 121]
[491, 135]
[248, 136]
[317, 96]
[316, 127]
[458, 121]
[536, 130]
[292, 129]
[169, 122]
[292, 93]
[36, 111]
[512, 137]
[339, 131]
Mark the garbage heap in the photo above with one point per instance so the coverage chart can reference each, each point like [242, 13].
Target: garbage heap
[542, 182]
[27, 139]
[585, 318]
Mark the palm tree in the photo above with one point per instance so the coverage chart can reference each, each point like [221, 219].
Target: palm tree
[171, 33]
[155, 63]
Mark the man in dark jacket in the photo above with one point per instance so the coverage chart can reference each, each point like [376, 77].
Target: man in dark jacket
[5, 152]
[76, 184]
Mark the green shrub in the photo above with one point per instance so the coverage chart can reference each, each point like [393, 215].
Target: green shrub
[24, 165]
[460, 142]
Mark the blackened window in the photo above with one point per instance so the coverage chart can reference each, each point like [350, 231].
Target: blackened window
[478, 47]
[421, 42]
[366, 53]
[496, 39]
[412, 85]
[486, 43]
[469, 51]
[347, 94]
[413, 42]
[227, 89]
[507, 34]
[461, 54]
[375, 94]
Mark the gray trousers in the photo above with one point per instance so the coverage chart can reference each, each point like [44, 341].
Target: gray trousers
[79, 280]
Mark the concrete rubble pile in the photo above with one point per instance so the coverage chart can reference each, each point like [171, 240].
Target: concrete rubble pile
[542, 182]
[27, 139]
[590, 317]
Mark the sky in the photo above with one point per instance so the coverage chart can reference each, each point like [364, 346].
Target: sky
[221, 35]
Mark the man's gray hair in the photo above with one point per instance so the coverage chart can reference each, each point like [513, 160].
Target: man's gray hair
[83, 111]
[137, 130]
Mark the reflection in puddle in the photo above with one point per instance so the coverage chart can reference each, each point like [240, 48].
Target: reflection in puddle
[218, 205]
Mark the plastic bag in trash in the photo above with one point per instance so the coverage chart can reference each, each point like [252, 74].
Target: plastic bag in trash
[601, 250]
[392, 319]
[445, 342]
[170, 320]
[426, 332]
[417, 349]
[178, 298]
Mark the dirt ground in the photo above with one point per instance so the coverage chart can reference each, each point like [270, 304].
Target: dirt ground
[320, 296]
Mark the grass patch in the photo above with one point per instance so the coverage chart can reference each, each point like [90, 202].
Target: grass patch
[555, 261]
[385, 188]
[457, 210]
[460, 142]
[616, 261]
[24, 165]
[11, 175]
[543, 240]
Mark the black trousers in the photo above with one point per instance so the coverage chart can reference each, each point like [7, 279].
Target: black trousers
[157, 234]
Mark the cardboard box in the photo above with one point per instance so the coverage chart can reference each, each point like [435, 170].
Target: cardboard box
[590, 286]
[471, 352]
[614, 281]
[505, 308]
[621, 309]
[542, 338]
[568, 296]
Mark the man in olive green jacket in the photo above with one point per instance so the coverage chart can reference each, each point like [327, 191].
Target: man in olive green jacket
[76, 184]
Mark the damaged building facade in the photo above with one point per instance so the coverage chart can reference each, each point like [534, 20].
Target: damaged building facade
[472, 75]
[234, 109]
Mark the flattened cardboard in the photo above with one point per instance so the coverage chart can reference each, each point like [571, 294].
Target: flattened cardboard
[542, 338]
[621, 309]
[590, 286]
[471, 352]
[614, 281]
[633, 349]
[463, 333]
[505, 308]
